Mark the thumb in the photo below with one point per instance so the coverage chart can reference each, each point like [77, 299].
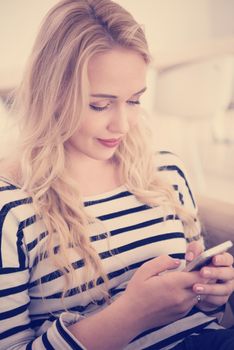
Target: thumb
[194, 248]
[156, 266]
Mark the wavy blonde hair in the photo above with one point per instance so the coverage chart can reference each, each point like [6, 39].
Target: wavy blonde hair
[50, 101]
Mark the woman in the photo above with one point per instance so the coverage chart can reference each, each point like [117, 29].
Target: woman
[94, 226]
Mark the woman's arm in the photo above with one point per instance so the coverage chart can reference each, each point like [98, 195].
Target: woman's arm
[112, 328]
[152, 299]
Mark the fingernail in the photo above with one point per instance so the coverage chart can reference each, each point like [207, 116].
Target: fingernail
[189, 256]
[206, 272]
[177, 262]
[217, 260]
[199, 289]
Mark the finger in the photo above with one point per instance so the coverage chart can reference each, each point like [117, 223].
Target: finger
[218, 273]
[223, 289]
[192, 297]
[211, 301]
[224, 259]
[156, 266]
[193, 250]
[186, 279]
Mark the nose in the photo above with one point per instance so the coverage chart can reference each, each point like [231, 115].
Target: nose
[119, 123]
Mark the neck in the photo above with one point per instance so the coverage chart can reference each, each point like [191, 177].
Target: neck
[95, 176]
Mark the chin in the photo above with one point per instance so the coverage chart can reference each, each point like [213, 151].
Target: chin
[105, 156]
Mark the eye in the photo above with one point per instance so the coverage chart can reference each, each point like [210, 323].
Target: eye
[134, 103]
[99, 108]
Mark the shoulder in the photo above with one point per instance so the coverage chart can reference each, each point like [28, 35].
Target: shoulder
[172, 169]
[169, 162]
[9, 170]
[16, 212]
[14, 202]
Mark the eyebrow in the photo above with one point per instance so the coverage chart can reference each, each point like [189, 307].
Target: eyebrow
[114, 96]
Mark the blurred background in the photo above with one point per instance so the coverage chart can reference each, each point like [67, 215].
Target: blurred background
[190, 97]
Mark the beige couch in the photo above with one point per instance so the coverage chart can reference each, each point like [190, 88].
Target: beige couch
[217, 219]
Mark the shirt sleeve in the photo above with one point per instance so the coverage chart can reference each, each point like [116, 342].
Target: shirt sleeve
[174, 170]
[15, 322]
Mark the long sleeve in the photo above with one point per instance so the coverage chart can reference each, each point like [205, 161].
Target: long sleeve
[16, 331]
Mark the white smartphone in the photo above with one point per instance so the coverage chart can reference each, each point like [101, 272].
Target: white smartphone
[205, 257]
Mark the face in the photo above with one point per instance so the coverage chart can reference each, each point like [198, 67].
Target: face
[117, 81]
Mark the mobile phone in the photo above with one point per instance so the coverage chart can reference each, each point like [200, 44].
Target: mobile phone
[205, 257]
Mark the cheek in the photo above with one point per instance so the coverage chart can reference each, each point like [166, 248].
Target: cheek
[90, 127]
[134, 118]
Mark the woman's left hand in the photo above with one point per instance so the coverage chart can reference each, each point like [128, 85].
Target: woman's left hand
[220, 279]
[220, 285]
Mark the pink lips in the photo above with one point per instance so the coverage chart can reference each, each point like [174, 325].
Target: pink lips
[110, 142]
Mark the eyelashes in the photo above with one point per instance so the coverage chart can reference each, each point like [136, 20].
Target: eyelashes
[100, 109]
[134, 102]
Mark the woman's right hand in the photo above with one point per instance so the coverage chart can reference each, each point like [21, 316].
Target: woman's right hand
[151, 299]
[158, 298]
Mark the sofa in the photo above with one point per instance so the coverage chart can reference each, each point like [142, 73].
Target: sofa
[217, 219]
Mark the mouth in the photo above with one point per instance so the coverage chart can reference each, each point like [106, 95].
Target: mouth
[111, 143]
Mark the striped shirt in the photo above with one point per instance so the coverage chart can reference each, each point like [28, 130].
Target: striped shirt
[32, 313]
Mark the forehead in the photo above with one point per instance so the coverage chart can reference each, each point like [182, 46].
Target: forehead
[119, 72]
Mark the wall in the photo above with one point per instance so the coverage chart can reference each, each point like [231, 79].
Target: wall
[19, 22]
[170, 24]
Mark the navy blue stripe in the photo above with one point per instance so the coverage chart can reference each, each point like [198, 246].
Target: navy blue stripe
[116, 196]
[7, 207]
[37, 323]
[8, 270]
[46, 342]
[46, 317]
[55, 274]
[143, 224]
[7, 188]
[13, 331]
[27, 222]
[99, 237]
[67, 337]
[181, 198]
[133, 227]
[13, 290]
[46, 278]
[37, 259]
[180, 172]
[11, 313]
[44, 255]
[29, 345]
[21, 254]
[141, 243]
[111, 198]
[3, 213]
[123, 212]
[78, 308]
[32, 244]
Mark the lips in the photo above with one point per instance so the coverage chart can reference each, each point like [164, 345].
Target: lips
[110, 142]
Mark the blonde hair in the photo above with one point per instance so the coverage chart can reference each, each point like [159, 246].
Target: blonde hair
[50, 101]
